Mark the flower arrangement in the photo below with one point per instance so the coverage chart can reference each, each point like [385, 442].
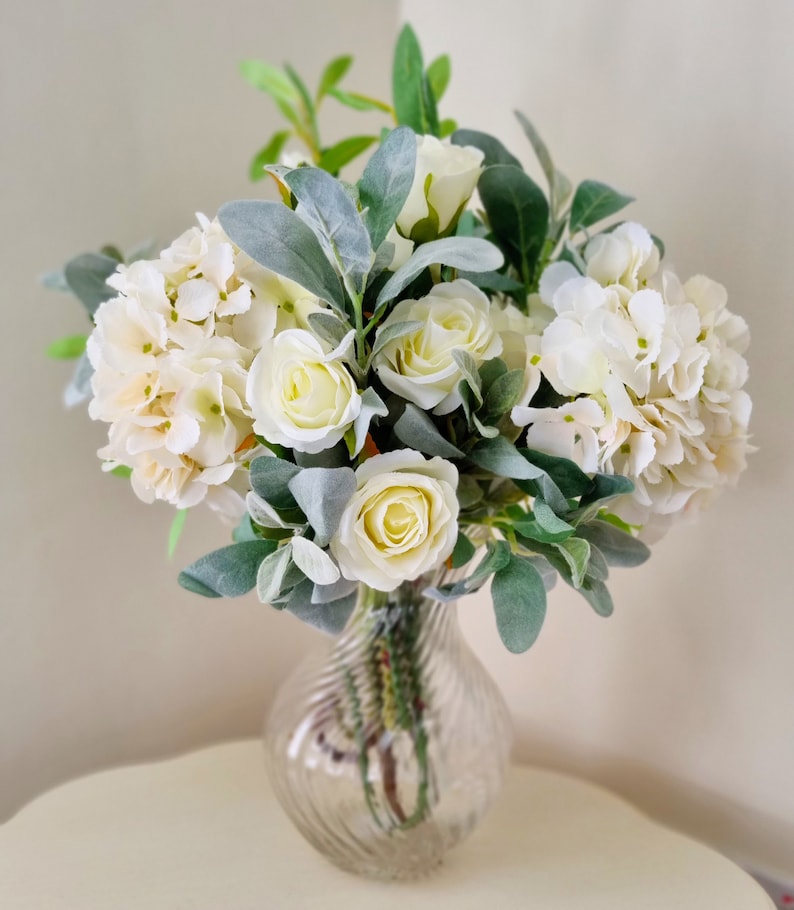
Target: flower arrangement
[375, 380]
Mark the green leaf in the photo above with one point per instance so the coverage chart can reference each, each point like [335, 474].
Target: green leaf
[359, 102]
[333, 73]
[306, 102]
[597, 595]
[469, 492]
[470, 253]
[492, 281]
[244, 530]
[386, 182]
[416, 430]
[177, 526]
[335, 157]
[268, 79]
[388, 333]
[463, 552]
[228, 572]
[566, 474]
[269, 478]
[490, 146]
[55, 281]
[331, 214]
[576, 553]
[604, 487]
[408, 80]
[272, 578]
[328, 327]
[548, 519]
[504, 392]
[447, 127]
[278, 239]
[438, 73]
[519, 600]
[502, 458]
[87, 275]
[69, 348]
[618, 547]
[497, 555]
[330, 617]
[594, 201]
[559, 184]
[518, 214]
[322, 494]
[121, 470]
[372, 405]
[597, 567]
[268, 154]
[468, 368]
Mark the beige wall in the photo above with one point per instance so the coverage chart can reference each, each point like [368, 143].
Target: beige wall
[683, 699]
[120, 120]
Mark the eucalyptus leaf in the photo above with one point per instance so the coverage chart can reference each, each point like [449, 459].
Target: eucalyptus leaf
[597, 595]
[335, 157]
[322, 494]
[597, 567]
[79, 388]
[519, 601]
[502, 458]
[313, 561]
[323, 594]
[386, 182]
[278, 239]
[576, 553]
[618, 547]
[497, 555]
[492, 281]
[469, 492]
[333, 73]
[228, 572]
[55, 281]
[372, 405]
[269, 478]
[548, 519]
[416, 430]
[504, 392]
[468, 368]
[330, 618]
[463, 552]
[566, 474]
[594, 201]
[388, 333]
[331, 214]
[328, 327]
[87, 277]
[408, 83]
[518, 213]
[244, 530]
[268, 154]
[490, 146]
[471, 253]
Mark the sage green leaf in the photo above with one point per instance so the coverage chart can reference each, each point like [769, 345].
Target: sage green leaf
[386, 182]
[539, 147]
[359, 102]
[502, 458]
[330, 618]
[504, 392]
[594, 201]
[335, 157]
[244, 530]
[372, 405]
[305, 99]
[605, 487]
[335, 457]
[491, 370]
[492, 281]
[485, 430]
[272, 575]
[566, 474]
[468, 368]
[87, 277]
[79, 388]
[519, 601]
[597, 567]
[471, 253]
[576, 553]
[463, 552]
[490, 146]
[328, 327]
[268, 154]
[54, 281]
[330, 213]
[408, 80]
[177, 526]
[69, 348]
[518, 213]
[497, 555]
[447, 127]
[228, 572]
[269, 478]
[438, 74]
[322, 494]
[333, 73]
[659, 245]
[323, 594]
[389, 333]
[597, 595]
[314, 562]
[416, 430]
[548, 519]
[618, 547]
[278, 239]
[268, 79]
[469, 492]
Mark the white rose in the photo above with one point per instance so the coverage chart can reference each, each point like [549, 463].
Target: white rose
[400, 522]
[420, 366]
[444, 179]
[299, 394]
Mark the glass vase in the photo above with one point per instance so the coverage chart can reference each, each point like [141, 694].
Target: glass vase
[386, 750]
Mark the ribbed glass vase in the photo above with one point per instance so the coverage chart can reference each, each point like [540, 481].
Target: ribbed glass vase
[387, 750]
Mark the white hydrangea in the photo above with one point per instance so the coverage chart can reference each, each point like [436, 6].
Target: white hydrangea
[654, 370]
[171, 355]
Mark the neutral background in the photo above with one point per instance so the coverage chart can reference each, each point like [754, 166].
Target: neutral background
[119, 121]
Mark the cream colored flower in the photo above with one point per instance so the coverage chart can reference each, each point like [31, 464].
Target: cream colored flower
[400, 522]
[444, 179]
[420, 366]
[299, 394]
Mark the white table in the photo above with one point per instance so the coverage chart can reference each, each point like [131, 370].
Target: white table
[203, 832]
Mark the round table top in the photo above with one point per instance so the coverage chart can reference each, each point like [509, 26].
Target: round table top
[203, 832]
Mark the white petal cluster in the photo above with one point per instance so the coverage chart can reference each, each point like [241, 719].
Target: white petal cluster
[654, 372]
[171, 355]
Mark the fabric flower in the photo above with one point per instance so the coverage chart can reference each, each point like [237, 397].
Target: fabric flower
[400, 522]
